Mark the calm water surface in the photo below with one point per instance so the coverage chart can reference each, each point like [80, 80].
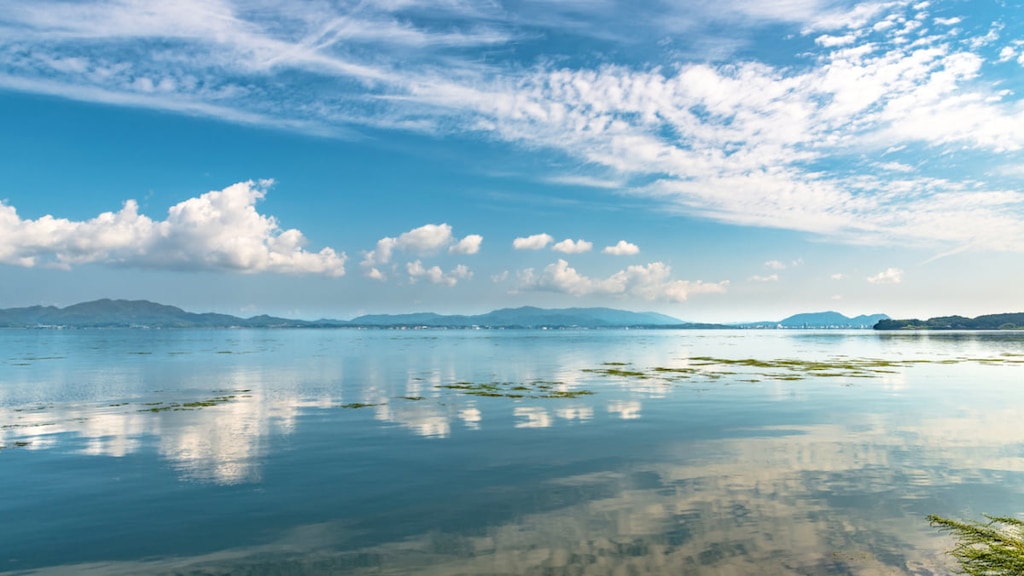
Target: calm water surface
[501, 452]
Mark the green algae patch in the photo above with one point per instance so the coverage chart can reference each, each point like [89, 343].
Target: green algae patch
[413, 398]
[15, 444]
[157, 407]
[208, 403]
[780, 369]
[354, 405]
[514, 390]
[567, 394]
[620, 372]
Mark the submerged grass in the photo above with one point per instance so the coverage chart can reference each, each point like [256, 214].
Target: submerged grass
[515, 390]
[157, 407]
[15, 444]
[993, 548]
[784, 369]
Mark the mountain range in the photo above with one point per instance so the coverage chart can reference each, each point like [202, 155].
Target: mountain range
[108, 313]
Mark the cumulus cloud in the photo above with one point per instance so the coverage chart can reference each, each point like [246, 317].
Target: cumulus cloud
[426, 240]
[435, 275]
[888, 276]
[535, 242]
[768, 278]
[775, 265]
[747, 142]
[837, 276]
[567, 246]
[623, 248]
[651, 282]
[468, 245]
[219, 230]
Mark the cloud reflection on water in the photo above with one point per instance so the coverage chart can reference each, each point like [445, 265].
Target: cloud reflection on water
[843, 492]
[775, 504]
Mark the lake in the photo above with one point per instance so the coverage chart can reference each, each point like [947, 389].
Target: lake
[502, 451]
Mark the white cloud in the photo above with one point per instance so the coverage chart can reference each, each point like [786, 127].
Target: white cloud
[895, 166]
[837, 276]
[220, 230]
[435, 275]
[745, 142]
[622, 248]
[888, 276]
[535, 242]
[468, 245]
[832, 41]
[768, 278]
[775, 265]
[567, 246]
[587, 181]
[426, 240]
[651, 282]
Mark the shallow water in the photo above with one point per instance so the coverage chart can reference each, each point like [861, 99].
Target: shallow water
[501, 452]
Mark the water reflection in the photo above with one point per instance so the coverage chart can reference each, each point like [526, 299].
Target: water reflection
[726, 475]
[804, 500]
[532, 417]
[226, 443]
[626, 410]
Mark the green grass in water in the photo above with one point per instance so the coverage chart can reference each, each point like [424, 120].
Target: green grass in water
[712, 368]
[515, 390]
[157, 407]
[993, 548]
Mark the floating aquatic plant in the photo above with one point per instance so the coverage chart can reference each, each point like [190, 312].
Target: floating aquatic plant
[785, 369]
[515, 390]
[156, 407]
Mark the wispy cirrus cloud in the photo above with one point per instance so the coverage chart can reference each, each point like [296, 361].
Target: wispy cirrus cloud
[219, 230]
[794, 146]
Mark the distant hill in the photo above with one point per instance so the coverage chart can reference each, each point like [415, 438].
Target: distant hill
[1010, 321]
[526, 317]
[108, 313]
[831, 320]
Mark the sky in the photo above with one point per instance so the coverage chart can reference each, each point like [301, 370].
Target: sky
[736, 160]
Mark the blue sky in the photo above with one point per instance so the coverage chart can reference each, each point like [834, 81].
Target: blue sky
[717, 161]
